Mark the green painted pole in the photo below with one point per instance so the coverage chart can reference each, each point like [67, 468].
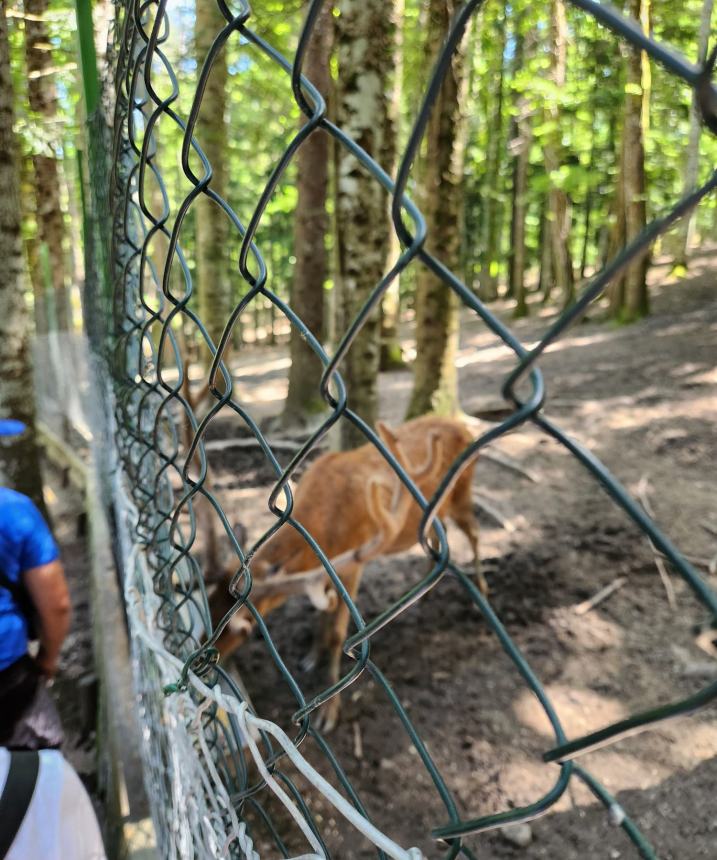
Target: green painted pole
[88, 55]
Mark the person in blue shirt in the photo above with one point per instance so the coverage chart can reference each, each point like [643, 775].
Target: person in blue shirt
[33, 596]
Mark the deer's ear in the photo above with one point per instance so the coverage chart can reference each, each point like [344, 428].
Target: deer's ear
[385, 433]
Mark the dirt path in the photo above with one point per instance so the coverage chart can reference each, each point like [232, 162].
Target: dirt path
[75, 688]
[643, 398]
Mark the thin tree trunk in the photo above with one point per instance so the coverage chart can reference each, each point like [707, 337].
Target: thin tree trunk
[587, 212]
[558, 203]
[629, 297]
[19, 460]
[365, 44]
[32, 248]
[435, 381]
[488, 277]
[520, 210]
[42, 99]
[586, 233]
[212, 281]
[391, 355]
[687, 227]
[545, 278]
[520, 147]
[303, 399]
[616, 292]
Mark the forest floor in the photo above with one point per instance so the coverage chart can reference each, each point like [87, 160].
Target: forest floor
[644, 399]
[75, 686]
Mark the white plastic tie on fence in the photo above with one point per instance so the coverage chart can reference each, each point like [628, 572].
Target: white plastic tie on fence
[379, 839]
[249, 726]
[239, 828]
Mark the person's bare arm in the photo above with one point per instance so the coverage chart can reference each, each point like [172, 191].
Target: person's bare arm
[50, 596]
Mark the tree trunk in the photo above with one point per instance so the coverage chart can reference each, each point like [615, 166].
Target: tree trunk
[520, 148]
[687, 227]
[545, 278]
[304, 400]
[365, 43]
[558, 202]
[212, 283]
[391, 354]
[32, 248]
[42, 99]
[488, 277]
[19, 461]
[520, 210]
[587, 211]
[435, 381]
[586, 233]
[629, 297]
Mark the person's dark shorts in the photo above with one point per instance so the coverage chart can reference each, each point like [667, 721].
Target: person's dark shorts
[28, 716]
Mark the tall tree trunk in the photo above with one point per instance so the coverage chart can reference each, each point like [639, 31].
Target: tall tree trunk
[365, 44]
[19, 461]
[488, 277]
[687, 227]
[435, 382]
[520, 149]
[32, 248]
[391, 354]
[558, 202]
[42, 99]
[629, 297]
[311, 224]
[587, 211]
[545, 278]
[212, 282]
[520, 210]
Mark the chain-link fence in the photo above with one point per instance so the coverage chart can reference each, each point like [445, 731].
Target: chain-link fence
[224, 782]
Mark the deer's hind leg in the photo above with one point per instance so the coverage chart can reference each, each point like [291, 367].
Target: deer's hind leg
[335, 631]
[462, 513]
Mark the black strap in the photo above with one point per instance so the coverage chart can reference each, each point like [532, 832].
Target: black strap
[16, 796]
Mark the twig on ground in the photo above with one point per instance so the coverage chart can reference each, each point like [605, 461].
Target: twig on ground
[484, 505]
[585, 607]
[502, 459]
[642, 490]
[708, 527]
[358, 743]
[665, 577]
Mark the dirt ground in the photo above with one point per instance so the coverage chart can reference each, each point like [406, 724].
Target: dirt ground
[75, 687]
[643, 398]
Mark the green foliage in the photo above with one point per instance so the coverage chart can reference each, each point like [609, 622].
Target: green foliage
[508, 42]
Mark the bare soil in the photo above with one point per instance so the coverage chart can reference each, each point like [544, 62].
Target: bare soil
[75, 687]
[644, 399]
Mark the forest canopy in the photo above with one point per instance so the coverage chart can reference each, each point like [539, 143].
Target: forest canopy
[550, 146]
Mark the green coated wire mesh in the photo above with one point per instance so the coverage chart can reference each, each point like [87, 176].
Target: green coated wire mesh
[210, 795]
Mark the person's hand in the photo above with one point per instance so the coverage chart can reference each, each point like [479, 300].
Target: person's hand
[46, 664]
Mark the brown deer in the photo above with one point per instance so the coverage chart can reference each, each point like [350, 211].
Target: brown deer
[356, 508]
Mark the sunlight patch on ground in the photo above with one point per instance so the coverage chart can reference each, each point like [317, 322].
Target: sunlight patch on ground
[580, 710]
